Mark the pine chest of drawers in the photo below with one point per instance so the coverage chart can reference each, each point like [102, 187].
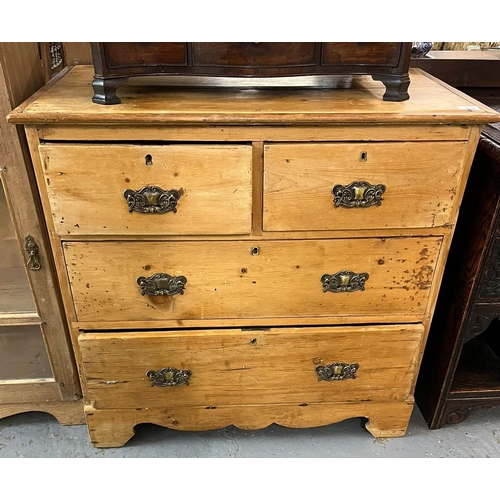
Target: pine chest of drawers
[231, 257]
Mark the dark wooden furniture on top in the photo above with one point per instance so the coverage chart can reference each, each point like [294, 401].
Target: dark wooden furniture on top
[115, 62]
[461, 367]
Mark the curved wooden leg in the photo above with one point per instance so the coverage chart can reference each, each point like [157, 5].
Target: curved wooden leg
[110, 429]
[391, 421]
[105, 90]
[396, 86]
[456, 411]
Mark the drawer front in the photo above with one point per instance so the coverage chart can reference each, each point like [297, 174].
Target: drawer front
[362, 53]
[139, 54]
[148, 190]
[138, 369]
[360, 186]
[128, 281]
[254, 54]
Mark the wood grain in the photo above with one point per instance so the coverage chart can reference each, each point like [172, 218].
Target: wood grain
[371, 54]
[31, 391]
[69, 100]
[66, 413]
[77, 53]
[117, 331]
[56, 246]
[113, 428]
[20, 75]
[224, 279]
[257, 187]
[241, 133]
[215, 182]
[421, 181]
[250, 367]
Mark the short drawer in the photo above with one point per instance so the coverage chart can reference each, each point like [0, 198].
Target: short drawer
[149, 190]
[314, 187]
[235, 367]
[254, 54]
[134, 281]
[361, 53]
[141, 54]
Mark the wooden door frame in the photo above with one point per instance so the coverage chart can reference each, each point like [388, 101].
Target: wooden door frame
[20, 76]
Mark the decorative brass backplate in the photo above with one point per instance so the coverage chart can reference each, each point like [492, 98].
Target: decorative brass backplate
[344, 281]
[167, 377]
[152, 200]
[32, 250]
[336, 371]
[162, 284]
[358, 194]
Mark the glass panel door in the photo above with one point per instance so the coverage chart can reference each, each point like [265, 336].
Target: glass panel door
[15, 293]
[23, 355]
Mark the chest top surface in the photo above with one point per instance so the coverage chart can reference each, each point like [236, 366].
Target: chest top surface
[68, 99]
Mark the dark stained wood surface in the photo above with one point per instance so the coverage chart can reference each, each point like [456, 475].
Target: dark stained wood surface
[114, 60]
[463, 69]
[254, 54]
[364, 53]
[460, 372]
[478, 372]
[127, 54]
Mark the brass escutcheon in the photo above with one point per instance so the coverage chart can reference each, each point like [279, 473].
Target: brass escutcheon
[344, 281]
[167, 377]
[32, 250]
[152, 200]
[162, 284]
[358, 194]
[337, 371]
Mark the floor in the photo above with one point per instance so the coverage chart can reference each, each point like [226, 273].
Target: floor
[40, 435]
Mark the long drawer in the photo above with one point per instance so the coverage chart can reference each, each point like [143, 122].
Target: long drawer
[217, 367]
[111, 189]
[128, 281]
[342, 186]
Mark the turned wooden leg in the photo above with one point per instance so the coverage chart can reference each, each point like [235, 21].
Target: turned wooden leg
[391, 422]
[396, 86]
[105, 90]
[110, 429]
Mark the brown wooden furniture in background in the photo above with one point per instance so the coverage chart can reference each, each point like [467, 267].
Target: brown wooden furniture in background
[475, 72]
[55, 56]
[37, 368]
[115, 62]
[232, 257]
[461, 366]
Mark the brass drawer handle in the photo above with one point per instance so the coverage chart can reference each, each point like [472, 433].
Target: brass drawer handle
[337, 371]
[168, 376]
[32, 250]
[152, 200]
[344, 281]
[358, 194]
[162, 284]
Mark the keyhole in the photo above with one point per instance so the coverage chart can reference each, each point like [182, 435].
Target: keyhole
[363, 156]
[255, 250]
[149, 160]
[253, 341]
